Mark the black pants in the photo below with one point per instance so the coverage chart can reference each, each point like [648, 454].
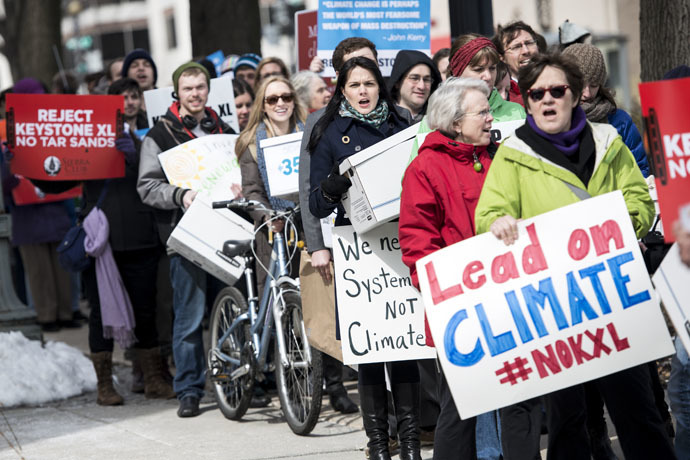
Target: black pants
[398, 372]
[521, 430]
[454, 438]
[429, 387]
[138, 270]
[332, 373]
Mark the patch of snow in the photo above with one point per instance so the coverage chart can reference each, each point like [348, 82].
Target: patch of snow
[31, 374]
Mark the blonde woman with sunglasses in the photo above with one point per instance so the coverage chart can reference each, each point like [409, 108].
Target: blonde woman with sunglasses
[555, 159]
[276, 112]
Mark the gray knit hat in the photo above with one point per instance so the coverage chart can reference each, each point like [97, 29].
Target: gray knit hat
[591, 62]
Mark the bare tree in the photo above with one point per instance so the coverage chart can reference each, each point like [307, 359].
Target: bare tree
[664, 36]
[31, 28]
[232, 26]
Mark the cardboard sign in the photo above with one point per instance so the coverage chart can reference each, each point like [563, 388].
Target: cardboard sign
[306, 28]
[221, 98]
[28, 193]
[671, 280]
[380, 312]
[503, 129]
[65, 137]
[200, 234]
[374, 198]
[281, 154]
[391, 25]
[667, 126]
[569, 302]
[206, 164]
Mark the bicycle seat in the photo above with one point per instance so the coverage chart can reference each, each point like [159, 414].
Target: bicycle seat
[234, 248]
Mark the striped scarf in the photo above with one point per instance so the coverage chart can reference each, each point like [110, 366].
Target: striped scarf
[375, 117]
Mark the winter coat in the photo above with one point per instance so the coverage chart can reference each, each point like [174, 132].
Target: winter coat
[153, 186]
[439, 195]
[523, 184]
[404, 61]
[631, 137]
[312, 224]
[514, 94]
[342, 138]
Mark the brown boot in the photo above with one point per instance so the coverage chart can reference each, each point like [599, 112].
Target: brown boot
[137, 375]
[155, 385]
[103, 364]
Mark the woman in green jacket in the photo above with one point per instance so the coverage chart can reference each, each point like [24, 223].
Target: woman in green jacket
[557, 158]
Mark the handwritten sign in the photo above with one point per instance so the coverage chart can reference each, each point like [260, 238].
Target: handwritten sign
[569, 302]
[282, 163]
[207, 164]
[381, 313]
[305, 37]
[667, 126]
[503, 129]
[221, 98]
[65, 137]
[390, 24]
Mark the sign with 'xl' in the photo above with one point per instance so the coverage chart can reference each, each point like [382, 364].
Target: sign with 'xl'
[569, 302]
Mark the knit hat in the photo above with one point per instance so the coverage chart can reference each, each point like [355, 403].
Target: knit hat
[590, 61]
[250, 60]
[228, 63]
[682, 71]
[28, 86]
[462, 57]
[139, 54]
[190, 65]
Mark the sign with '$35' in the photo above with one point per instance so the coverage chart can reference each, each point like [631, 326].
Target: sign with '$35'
[281, 154]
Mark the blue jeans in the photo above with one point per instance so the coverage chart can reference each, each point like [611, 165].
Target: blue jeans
[679, 394]
[189, 302]
[488, 436]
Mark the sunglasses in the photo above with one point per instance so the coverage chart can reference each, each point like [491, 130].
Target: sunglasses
[538, 94]
[273, 100]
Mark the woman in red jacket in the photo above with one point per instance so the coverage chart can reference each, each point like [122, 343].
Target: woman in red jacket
[440, 191]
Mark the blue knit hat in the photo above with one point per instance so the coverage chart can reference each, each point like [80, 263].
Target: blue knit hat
[139, 54]
[250, 60]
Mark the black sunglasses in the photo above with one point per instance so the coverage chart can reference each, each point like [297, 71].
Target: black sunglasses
[538, 94]
[273, 100]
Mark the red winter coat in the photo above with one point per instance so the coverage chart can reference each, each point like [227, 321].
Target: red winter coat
[439, 195]
[514, 94]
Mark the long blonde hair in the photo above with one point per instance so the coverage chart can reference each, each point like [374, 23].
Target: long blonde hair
[258, 114]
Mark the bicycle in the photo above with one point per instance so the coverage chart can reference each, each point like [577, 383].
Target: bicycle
[241, 330]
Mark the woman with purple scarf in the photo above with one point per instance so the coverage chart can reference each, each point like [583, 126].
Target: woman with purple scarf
[559, 158]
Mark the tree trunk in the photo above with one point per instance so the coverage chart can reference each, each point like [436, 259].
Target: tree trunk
[232, 26]
[664, 36]
[31, 29]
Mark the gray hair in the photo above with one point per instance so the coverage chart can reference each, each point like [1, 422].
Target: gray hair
[302, 83]
[446, 104]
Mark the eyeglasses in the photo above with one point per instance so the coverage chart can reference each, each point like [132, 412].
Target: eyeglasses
[557, 92]
[414, 78]
[483, 114]
[517, 47]
[273, 100]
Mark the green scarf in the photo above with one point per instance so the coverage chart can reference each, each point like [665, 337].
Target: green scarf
[375, 117]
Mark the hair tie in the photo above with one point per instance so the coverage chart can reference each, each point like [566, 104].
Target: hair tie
[462, 57]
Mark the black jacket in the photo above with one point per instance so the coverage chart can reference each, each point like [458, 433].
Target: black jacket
[404, 61]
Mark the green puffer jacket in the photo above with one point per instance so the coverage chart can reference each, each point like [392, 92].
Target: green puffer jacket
[501, 110]
[523, 184]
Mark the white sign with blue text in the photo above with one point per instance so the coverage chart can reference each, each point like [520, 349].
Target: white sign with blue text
[392, 25]
[569, 302]
[281, 154]
[380, 313]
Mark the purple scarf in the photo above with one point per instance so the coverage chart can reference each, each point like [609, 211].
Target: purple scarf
[567, 142]
[116, 308]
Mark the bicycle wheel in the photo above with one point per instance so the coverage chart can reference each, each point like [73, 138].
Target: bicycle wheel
[232, 394]
[299, 386]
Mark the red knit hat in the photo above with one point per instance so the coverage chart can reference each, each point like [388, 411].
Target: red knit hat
[462, 57]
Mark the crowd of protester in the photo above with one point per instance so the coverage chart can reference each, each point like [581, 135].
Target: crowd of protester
[571, 122]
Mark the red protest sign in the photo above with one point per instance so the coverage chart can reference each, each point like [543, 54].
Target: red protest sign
[65, 137]
[306, 28]
[28, 193]
[667, 126]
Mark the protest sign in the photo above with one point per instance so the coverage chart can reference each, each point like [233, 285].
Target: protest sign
[391, 25]
[207, 164]
[281, 154]
[569, 302]
[503, 129]
[306, 28]
[672, 282]
[65, 137]
[221, 98]
[27, 193]
[380, 312]
[667, 126]
[217, 58]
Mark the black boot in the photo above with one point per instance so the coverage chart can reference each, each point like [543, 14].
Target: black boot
[375, 419]
[406, 397]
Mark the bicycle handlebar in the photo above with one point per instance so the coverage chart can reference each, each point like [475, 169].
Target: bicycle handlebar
[243, 203]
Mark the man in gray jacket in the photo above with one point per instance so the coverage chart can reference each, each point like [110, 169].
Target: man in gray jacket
[186, 119]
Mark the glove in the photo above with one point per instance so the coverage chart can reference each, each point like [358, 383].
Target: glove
[333, 187]
[125, 144]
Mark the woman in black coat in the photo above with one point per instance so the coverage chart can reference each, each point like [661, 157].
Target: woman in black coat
[361, 114]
